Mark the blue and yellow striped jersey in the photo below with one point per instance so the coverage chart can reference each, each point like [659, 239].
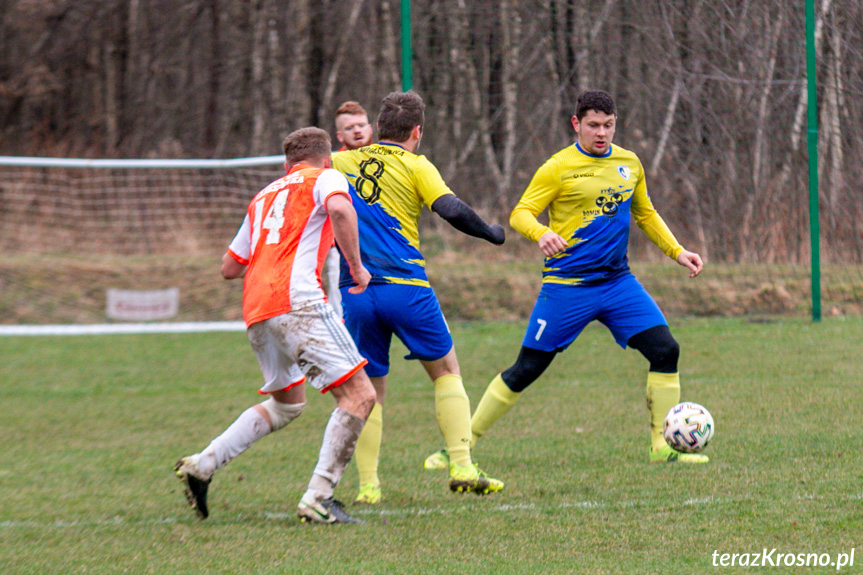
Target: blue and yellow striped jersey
[590, 201]
[389, 186]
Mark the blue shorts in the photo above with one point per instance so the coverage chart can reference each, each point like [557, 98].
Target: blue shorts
[412, 313]
[562, 311]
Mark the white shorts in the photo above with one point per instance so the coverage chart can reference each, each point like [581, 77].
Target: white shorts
[309, 343]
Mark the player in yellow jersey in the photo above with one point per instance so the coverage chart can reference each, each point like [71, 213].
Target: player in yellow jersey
[591, 190]
[390, 184]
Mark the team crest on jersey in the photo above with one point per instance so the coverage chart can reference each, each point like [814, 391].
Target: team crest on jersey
[624, 172]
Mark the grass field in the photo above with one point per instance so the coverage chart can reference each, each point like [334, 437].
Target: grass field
[92, 425]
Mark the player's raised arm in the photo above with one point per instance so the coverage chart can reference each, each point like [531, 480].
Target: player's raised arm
[463, 218]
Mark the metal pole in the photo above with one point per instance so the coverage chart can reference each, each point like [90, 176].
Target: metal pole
[407, 52]
[812, 145]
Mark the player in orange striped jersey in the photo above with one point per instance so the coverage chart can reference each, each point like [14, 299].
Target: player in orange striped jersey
[280, 249]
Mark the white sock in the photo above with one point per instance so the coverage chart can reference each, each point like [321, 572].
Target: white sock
[247, 429]
[340, 440]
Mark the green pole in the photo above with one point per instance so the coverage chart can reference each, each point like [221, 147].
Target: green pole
[407, 52]
[812, 145]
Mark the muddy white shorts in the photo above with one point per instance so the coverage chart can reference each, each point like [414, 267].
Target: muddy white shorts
[306, 344]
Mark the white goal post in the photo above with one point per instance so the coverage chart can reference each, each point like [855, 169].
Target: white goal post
[122, 246]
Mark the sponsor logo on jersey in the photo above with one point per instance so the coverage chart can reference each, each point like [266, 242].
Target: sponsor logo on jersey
[608, 201]
[385, 151]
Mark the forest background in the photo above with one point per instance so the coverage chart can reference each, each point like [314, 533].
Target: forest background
[711, 96]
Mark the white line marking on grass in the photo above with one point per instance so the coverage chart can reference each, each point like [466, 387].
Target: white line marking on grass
[807, 497]
[121, 328]
[699, 501]
[13, 524]
[518, 506]
[397, 512]
[289, 515]
[503, 508]
[584, 504]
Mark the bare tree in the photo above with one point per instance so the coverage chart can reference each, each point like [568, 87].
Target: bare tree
[712, 94]
[345, 39]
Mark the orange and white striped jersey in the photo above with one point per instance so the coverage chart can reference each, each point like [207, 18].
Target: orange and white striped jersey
[284, 239]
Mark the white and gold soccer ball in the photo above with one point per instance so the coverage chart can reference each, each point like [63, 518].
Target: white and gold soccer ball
[688, 427]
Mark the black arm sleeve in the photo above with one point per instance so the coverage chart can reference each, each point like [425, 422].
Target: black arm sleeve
[462, 217]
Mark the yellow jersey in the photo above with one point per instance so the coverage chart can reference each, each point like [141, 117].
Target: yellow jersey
[389, 187]
[590, 201]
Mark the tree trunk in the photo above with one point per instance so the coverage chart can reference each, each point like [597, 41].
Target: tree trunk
[112, 96]
[834, 109]
[212, 122]
[259, 95]
[345, 39]
[800, 113]
[297, 89]
[750, 245]
[511, 25]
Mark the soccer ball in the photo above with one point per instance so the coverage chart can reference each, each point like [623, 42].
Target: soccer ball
[688, 427]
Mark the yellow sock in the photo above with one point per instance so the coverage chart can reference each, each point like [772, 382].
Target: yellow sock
[452, 409]
[496, 401]
[369, 447]
[663, 393]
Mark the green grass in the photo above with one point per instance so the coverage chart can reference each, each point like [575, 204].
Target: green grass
[92, 425]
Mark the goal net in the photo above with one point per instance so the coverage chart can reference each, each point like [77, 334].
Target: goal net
[90, 246]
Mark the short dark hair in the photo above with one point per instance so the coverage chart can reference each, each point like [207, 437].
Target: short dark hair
[594, 100]
[310, 144]
[400, 113]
